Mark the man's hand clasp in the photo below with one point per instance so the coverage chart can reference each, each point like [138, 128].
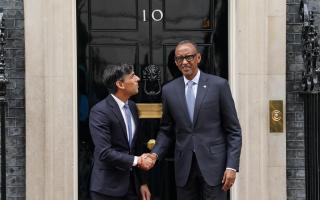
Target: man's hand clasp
[147, 160]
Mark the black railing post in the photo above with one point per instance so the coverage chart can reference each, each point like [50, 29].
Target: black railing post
[3, 101]
[311, 97]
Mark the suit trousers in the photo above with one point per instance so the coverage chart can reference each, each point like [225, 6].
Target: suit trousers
[196, 187]
[131, 195]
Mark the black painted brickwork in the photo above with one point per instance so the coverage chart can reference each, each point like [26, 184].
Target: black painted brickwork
[15, 113]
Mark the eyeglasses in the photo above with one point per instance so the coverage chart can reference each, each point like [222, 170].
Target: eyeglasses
[188, 58]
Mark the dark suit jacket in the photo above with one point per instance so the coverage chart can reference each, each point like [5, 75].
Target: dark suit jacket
[215, 135]
[112, 160]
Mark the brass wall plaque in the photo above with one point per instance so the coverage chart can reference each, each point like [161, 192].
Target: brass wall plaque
[149, 110]
[276, 116]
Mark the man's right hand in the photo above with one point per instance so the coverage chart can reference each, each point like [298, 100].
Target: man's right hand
[146, 161]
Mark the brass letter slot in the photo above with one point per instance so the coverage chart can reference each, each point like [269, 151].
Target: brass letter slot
[276, 116]
[149, 110]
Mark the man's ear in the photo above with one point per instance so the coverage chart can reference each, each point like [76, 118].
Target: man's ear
[120, 85]
[198, 57]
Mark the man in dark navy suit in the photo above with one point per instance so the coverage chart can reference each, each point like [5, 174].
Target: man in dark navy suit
[200, 116]
[114, 126]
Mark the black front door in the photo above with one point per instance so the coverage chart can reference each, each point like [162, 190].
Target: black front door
[143, 33]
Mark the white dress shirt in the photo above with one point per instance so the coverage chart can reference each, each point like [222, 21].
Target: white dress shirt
[194, 86]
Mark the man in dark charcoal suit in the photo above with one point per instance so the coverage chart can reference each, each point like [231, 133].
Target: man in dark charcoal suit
[114, 126]
[198, 110]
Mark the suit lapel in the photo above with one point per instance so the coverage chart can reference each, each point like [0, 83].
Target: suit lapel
[180, 91]
[117, 113]
[201, 93]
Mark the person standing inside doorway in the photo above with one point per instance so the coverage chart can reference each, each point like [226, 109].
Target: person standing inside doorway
[114, 127]
[200, 116]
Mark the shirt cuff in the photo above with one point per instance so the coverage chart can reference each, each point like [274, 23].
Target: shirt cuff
[135, 161]
[231, 169]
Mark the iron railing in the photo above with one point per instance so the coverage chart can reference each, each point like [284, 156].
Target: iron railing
[311, 97]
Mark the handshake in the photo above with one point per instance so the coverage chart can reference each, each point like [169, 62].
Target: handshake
[146, 161]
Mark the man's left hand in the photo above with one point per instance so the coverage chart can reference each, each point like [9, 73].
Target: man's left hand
[145, 192]
[228, 179]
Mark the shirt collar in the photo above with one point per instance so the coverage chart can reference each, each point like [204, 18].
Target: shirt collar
[119, 102]
[195, 79]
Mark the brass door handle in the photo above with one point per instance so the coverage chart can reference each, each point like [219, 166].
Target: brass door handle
[151, 143]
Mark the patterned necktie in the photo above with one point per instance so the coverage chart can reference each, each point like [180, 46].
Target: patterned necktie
[190, 98]
[129, 125]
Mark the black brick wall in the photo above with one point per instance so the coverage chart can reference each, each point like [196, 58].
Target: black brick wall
[15, 116]
[295, 115]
